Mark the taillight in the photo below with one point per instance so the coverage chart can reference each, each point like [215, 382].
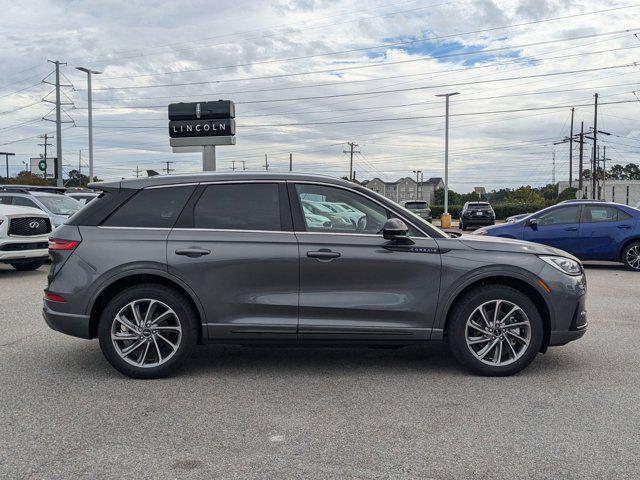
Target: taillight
[52, 297]
[58, 244]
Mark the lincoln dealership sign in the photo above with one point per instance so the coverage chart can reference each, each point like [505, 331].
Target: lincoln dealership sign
[202, 123]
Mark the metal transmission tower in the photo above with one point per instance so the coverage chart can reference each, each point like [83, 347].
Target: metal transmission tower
[89, 72]
[351, 151]
[58, 107]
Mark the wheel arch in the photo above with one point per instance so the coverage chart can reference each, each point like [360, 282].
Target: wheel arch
[519, 283]
[130, 279]
[627, 242]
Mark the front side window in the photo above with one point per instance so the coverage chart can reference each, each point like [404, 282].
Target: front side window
[151, 208]
[239, 206]
[24, 202]
[559, 216]
[602, 213]
[322, 213]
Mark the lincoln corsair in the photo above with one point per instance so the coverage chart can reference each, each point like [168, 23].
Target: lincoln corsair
[154, 266]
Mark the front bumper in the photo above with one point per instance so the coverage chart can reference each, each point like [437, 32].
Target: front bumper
[8, 256]
[71, 324]
[558, 338]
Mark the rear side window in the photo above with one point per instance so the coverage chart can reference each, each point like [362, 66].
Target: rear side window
[151, 208]
[602, 213]
[239, 206]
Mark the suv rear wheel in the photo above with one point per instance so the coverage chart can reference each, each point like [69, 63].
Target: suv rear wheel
[147, 331]
[495, 330]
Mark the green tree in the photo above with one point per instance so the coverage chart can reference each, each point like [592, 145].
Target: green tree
[568, 194]
[525, 195]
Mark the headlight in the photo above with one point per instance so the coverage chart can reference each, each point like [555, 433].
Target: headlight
[565, 265]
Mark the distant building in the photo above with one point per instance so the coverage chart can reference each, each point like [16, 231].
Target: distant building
[405, 189]
[619, 191]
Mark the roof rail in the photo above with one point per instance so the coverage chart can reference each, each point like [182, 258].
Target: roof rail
[31, 188]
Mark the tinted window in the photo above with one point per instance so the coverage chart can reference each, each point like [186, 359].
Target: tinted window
[559, 216]
[5, 200]
[602, 213]
[250, 206]
[151, 207]
[416, 205]
[366, 216]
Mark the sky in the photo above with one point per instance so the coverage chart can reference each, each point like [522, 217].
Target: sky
[308, 76]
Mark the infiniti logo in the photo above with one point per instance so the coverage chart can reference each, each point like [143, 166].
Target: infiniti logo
[34, 224]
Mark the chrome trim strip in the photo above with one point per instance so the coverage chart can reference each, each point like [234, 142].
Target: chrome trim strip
[229, 230]
[152, 187]
[217, 182]
[133, 228]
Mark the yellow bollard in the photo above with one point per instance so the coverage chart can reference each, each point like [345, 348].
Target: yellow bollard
[445, 220]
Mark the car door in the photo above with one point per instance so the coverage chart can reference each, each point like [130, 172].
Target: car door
[557, 227]
[354, 284]
[603, 230]
[234, 246]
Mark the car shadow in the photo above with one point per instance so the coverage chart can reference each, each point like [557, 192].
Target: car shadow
[592, 265]
[433, 359]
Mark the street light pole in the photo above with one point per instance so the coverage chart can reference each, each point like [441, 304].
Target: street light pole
[89, 72]
[446, 149]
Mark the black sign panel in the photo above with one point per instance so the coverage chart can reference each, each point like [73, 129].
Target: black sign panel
[202, 110]
[202, 128]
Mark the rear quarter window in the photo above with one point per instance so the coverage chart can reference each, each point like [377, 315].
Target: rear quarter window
[151, 208]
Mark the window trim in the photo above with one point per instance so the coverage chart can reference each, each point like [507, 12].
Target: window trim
[554, 208]
[298, 215]
[617, 219]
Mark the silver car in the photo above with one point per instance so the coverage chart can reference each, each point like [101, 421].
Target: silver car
[56, 205]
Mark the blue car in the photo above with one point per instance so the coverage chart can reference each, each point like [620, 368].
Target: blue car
[587, 229]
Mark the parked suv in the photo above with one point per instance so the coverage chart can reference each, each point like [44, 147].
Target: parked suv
[156, 265]
[420, 208]
[50, 200]
[476, 213]
[24, 235]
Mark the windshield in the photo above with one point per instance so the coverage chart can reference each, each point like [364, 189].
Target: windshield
[60, 204]
[416, 205]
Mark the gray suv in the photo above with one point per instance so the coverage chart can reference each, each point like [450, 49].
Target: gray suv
[157, 265]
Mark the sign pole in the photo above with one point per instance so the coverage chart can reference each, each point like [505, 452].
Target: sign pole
[209, 158]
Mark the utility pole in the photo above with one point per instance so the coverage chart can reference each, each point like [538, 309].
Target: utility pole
[233, 165]
[80, 168]
[45, 145]
[243, 166]
[168, 169]
[604, 172]
[137, 170]
[6, 157]
[553, 169]
[89, 72]
[581, 157]
[291, 162]
[446, 150]
[266, 163]
[571, 150]
[595, 141]
[417, 172]
[351, 151]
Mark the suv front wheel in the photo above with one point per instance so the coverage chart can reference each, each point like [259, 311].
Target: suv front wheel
[495, 330]
[147, 331]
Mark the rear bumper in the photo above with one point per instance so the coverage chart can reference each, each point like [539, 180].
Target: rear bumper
[71, 324]
[478, 221]
[558, 338]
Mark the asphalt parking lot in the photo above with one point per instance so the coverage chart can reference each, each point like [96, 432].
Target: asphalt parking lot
[237, 412]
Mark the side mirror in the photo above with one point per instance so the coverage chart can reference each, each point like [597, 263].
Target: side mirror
[532, 222]
[394, 229]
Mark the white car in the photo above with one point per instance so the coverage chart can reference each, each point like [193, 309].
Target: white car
[24, 237]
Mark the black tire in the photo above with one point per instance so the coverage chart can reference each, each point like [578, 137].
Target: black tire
[627, 256]
[458, 323]
[28, 266]
[463, 227]
[188, 321]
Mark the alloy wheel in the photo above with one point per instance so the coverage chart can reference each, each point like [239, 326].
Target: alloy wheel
[498, 332]
[633, 257]
[146, 333]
